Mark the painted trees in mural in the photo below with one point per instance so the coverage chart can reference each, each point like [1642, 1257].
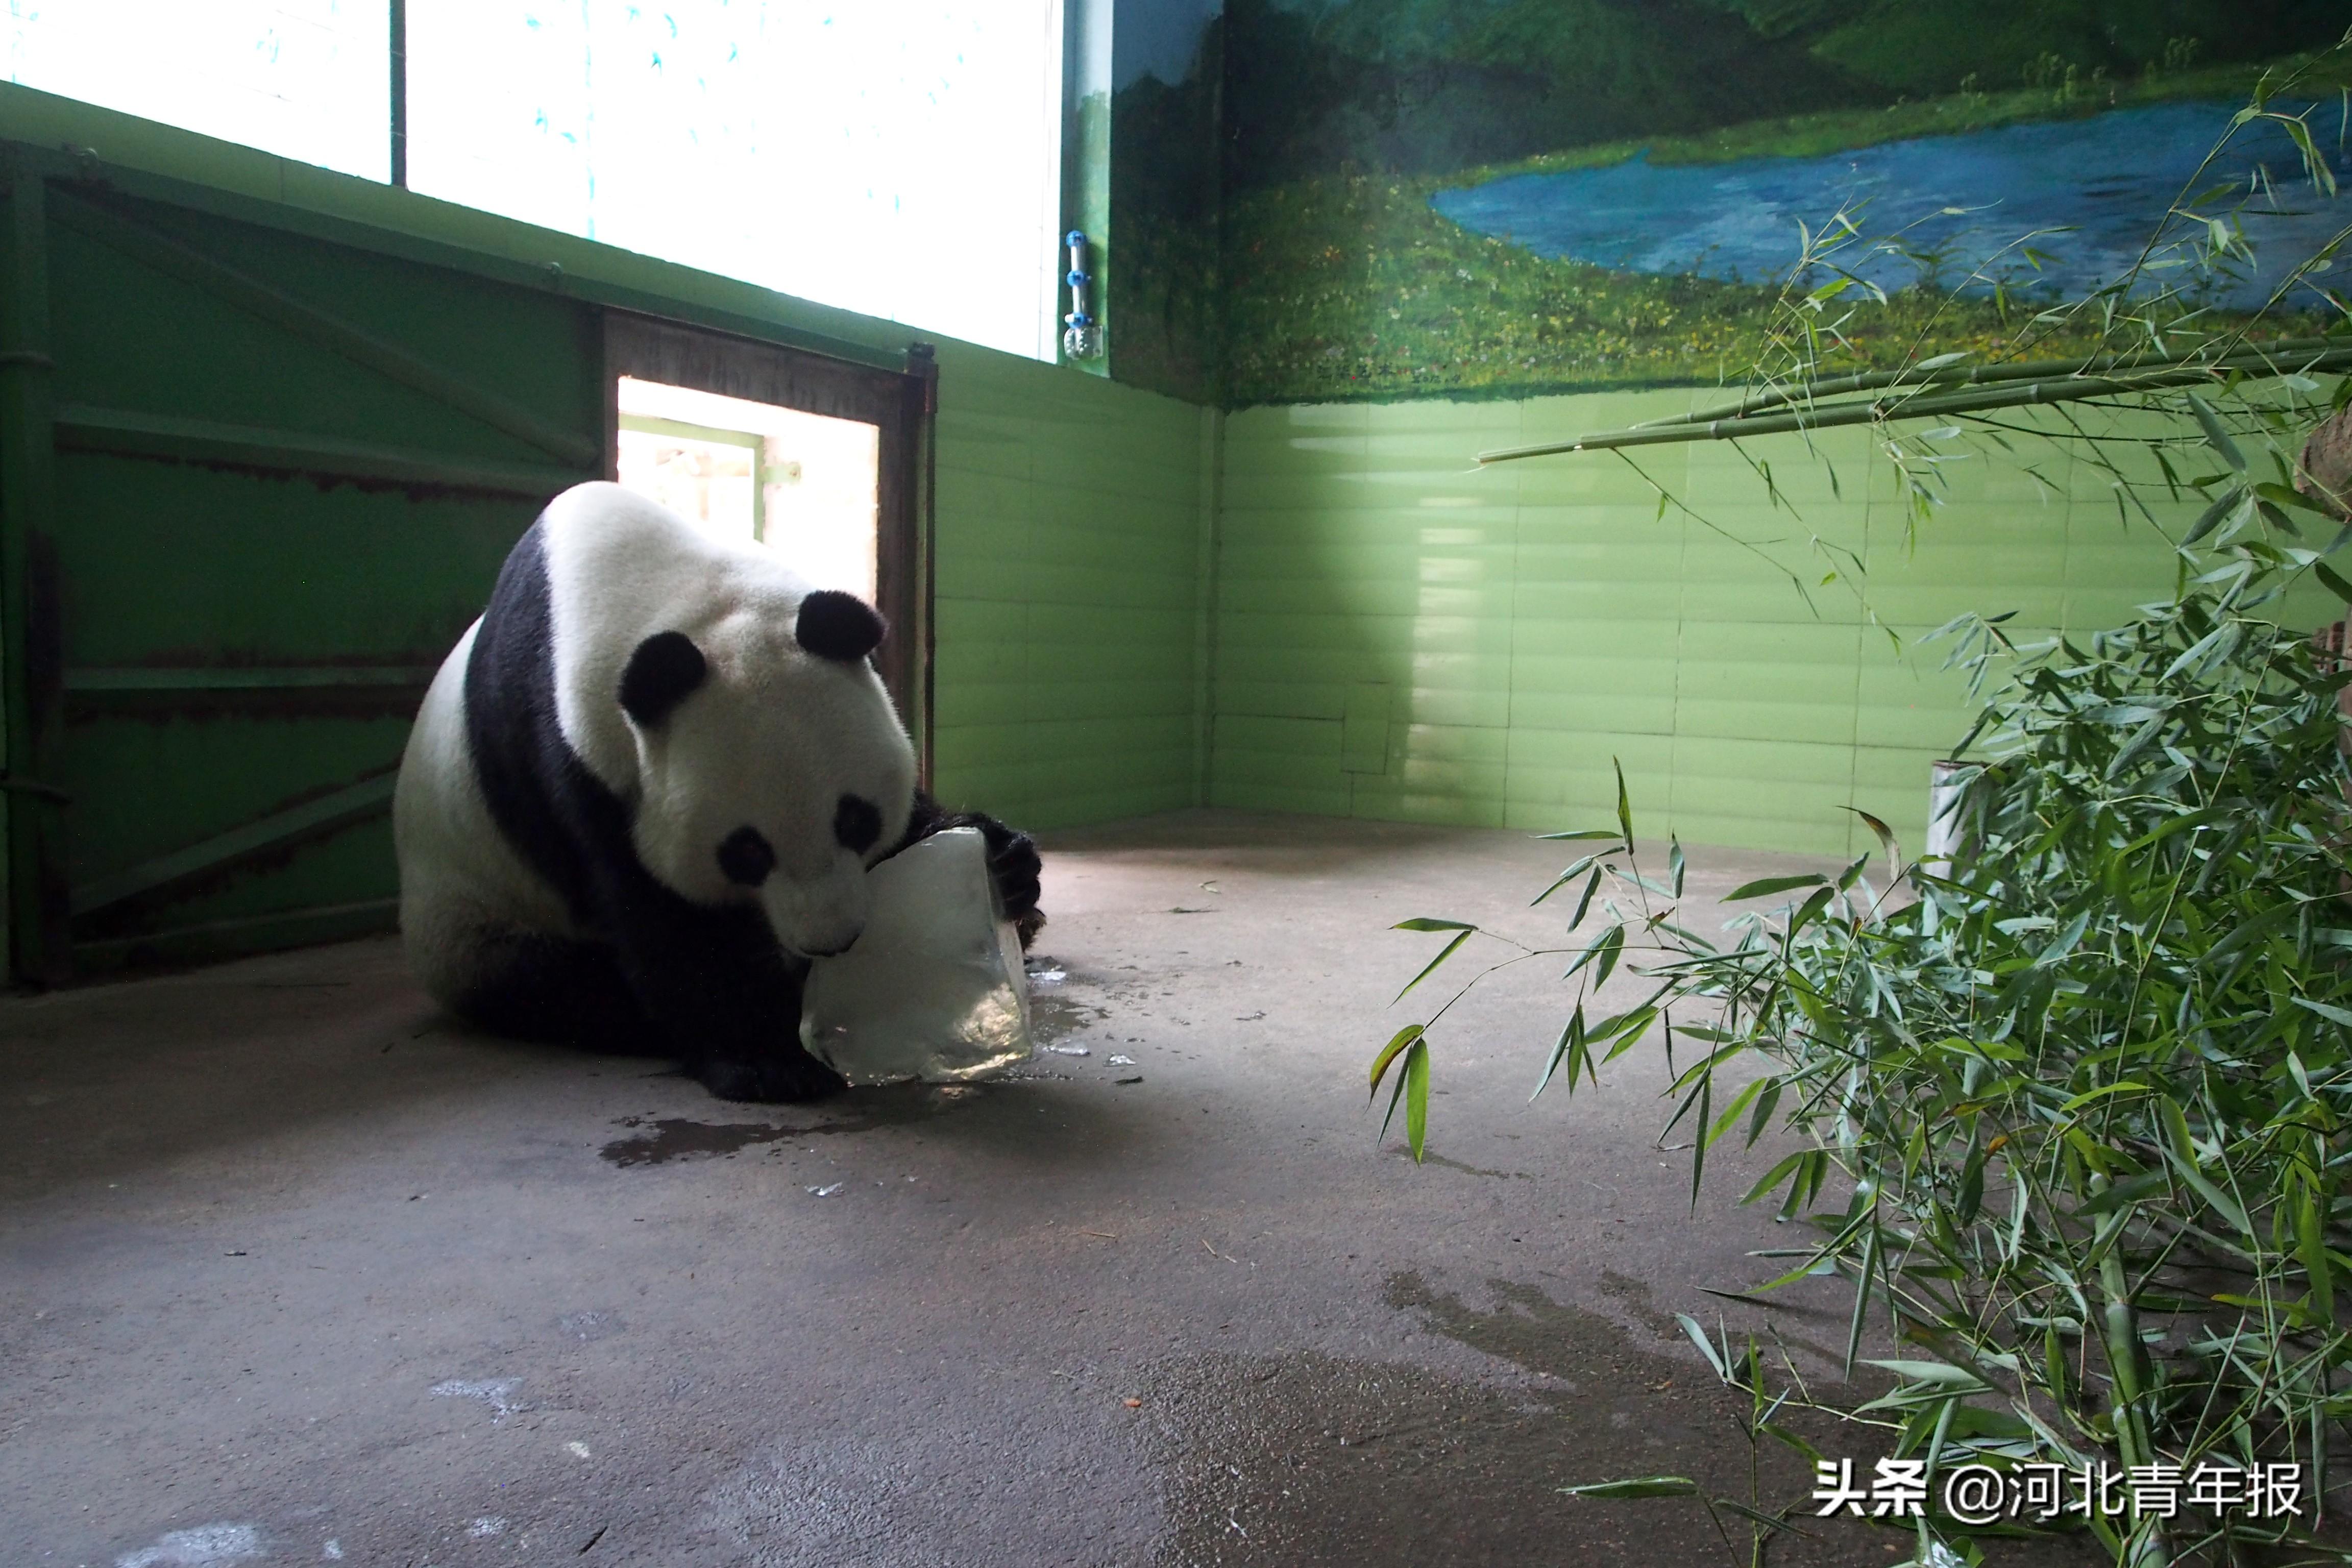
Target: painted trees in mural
[1522, 195]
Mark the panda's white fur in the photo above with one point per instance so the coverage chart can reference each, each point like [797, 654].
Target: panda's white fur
[528, 791]
[460, 878]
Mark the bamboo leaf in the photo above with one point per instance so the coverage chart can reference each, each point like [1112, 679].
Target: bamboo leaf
[2311, 1248]
[1763, 886]
[1447, 951]
[2063, 943]
[1706, 1346]
[1584, 900]
[1625, 1028]
[1646, 1485]
[1730, 1113]
[1886, 837]
[1934, 1372]
[1574, 871]
[1402, 1038]
[1603, 950]
[1416, 1097]
[1864, 1280]
[2334, 1014]
[1790, 1166]
[2211, 518]
[2215, 437]
[1699, 1143]
[2092, 1095]
[1766, 1104]
[1570, 1048]
[2182, 1155]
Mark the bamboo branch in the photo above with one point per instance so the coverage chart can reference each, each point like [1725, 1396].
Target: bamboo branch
[1923, 404]
[1956, 375]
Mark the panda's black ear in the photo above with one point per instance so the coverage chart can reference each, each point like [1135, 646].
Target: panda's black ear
[838, 626]
[662, 673]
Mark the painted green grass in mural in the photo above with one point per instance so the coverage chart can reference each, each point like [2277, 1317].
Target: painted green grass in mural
[1353, 287]
[1350, 287]
[1811, 135]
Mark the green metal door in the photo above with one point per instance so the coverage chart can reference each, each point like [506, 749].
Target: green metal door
[254, 482]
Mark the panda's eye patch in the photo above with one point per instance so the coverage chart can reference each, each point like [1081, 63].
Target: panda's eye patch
[857, 823]
[746, 857]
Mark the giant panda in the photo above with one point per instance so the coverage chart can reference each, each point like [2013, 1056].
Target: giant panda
[644, 790]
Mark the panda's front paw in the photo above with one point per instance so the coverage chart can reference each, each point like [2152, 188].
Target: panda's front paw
[770, 1079]
[1015, 864]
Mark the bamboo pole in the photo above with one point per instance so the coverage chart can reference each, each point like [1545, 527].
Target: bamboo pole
[1916, 405]
[1970, 375]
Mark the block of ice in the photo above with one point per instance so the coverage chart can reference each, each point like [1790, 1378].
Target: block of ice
[934, 989]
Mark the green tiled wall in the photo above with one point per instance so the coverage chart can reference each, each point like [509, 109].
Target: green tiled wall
[1401, 635]
[1069, 582]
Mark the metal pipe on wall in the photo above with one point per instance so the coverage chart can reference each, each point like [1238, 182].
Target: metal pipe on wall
[399, 9]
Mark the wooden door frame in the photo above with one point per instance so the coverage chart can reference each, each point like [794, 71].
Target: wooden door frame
[902, 404]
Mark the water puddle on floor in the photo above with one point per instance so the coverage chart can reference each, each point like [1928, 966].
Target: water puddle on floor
[659, 1141]
[1311, 1459]
[1055, 1012]
[1052, 1017]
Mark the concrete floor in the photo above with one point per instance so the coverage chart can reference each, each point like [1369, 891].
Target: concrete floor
[295, 1269]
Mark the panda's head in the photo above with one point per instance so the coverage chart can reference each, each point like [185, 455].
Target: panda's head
[771, 767]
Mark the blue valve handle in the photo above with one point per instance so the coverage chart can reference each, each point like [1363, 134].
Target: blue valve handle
[1080, 322]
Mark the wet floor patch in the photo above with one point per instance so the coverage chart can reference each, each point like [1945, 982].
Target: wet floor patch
[660, 1140]
[1052, 1017]
[1310, 1460]
[1055, 1012]
[679, 1137]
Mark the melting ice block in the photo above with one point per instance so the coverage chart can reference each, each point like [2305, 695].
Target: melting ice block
[933, 990]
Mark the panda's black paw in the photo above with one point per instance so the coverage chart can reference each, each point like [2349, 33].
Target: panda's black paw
[769, 1079]
[1015, 864]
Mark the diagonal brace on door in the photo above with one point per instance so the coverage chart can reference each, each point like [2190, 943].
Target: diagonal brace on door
[119, 232]
[353, 802]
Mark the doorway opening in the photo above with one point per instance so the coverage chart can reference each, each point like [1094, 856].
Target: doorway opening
[806, 485]
[824, 460]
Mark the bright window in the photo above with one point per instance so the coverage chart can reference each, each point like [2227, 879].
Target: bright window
[304, 79]
[806, 483]
[901, 159]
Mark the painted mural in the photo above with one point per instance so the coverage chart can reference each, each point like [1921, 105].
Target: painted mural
[1165, 198]
[1509, 196]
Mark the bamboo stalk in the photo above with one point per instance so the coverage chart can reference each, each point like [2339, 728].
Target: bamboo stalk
[2068, 389]
[1958, 375]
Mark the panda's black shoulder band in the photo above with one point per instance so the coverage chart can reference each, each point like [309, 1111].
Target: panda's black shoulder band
[838, 626]
[663, 672]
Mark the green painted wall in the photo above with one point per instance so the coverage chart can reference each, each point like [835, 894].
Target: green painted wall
[1070, 518]
[1402, 635]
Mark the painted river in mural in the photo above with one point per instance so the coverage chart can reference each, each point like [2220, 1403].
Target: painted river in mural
[2106, 179]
